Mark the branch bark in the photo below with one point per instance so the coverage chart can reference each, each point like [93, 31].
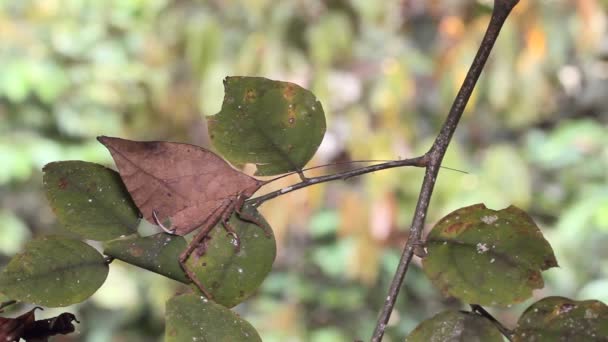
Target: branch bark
[435, 155]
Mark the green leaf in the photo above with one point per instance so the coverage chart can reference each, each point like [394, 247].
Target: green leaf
[54, 271]
[158, 253]
[90, 200]
[563, 319]
[455, 326]
[232, 276]
[276, 125]
[487, 257]
[193, 318]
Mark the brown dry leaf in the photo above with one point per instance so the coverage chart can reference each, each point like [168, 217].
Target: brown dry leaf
[185, 184]
[26, 326]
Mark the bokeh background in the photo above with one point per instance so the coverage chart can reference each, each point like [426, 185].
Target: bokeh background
[534, 135]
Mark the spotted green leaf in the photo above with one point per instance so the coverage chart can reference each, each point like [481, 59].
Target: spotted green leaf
[562, 319]
[158, 253]
[487, 257]
[54, 271]
[193, 318]
[276, 125]
[230, 275]
[455, 326]
[90, 200]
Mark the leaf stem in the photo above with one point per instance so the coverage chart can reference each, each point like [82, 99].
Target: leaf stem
[434, 156]
[108, 259]
[478, 309]
[7, 303]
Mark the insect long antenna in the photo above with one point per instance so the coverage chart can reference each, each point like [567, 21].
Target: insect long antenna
[343, 163]
[327, 165]
[456, 170]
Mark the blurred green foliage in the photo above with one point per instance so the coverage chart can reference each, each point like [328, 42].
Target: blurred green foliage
[533, 135]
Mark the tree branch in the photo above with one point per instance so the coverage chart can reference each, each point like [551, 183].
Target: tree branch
[500, 12]
[431, 161]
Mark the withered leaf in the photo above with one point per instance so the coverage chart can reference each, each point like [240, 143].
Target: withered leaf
[184, 184]
[27, 327]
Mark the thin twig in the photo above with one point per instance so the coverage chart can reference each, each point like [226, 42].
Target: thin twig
[501, 11]
[503, 330]
[417, 161]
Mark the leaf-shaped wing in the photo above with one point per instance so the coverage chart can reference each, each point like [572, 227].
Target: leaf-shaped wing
[183, 183]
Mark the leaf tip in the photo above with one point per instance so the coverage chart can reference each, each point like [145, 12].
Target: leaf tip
[550, 262]
[102, 139]
[46, 167]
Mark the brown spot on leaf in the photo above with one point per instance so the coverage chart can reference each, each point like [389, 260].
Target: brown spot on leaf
[92, 187]
[136, 251]
[456, 228]
[215, 285]
[472, 208]
[250, 95]
[63, 183]
[291, 116]
[289, 91]
[534, 279]
[520, 299]
[565, 308]
[596, 306]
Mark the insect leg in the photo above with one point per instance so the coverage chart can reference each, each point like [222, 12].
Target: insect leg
[240, 200]
[160, 224]
[225, 222]
[302, 177]
[209, 223]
